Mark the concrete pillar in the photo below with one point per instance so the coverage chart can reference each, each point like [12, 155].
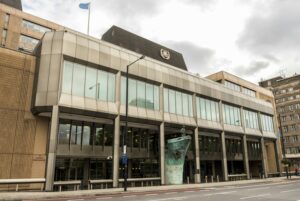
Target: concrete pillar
[276, 149]
[245, 157]
[224, 157]
[264, 157]
[51, 156]
[162, 152]
[197, 156]
[116, 152]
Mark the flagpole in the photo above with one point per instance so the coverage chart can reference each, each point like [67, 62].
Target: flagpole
[88, 28]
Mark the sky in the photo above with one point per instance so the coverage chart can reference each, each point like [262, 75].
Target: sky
[253, 39]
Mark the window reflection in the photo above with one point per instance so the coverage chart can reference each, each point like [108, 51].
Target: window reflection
[231, 115]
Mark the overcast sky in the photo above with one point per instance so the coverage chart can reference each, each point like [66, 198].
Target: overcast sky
[253, 39]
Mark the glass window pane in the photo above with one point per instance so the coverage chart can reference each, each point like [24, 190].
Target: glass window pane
[141, 94]
[132, 92]
[108, 135]
[213, 111]
[111, 87]
[166, 100]
[86, 135]
[67, 77]
[149, 96]
[90, 82]
[190, 105]
[156, 97]
[202, 108]
[99, 136]
[208, 110]
[185, 104]
[64, 133]
[198, 106]
[102, 81]
[178, 103]
[172, 101]
[78, 80]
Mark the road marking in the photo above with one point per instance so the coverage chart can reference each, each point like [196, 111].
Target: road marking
[253, 189]
[189, 191]
[289, 191]
[76, 200]
[261, 195]
[174, 198]
[171, 193]
[103, 198]
[150, 194]
[222, 193]
[128, 196]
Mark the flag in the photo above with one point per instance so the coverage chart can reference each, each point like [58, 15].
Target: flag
[84, 5]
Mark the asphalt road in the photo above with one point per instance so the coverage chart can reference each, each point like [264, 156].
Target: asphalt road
[287, 191]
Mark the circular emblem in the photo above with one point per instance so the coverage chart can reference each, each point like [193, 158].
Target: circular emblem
[165, 54]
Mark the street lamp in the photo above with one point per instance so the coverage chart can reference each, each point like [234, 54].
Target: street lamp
[124, 157]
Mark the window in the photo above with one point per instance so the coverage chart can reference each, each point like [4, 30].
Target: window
[207, 109]
[285, 129]
[27, 43]
[291, 98]
[34, 27]
[84, 81]
[283, 118]
[140, 94]
[293, 127]
[64, 133]
[177, 102]
[4, 34]
[267, 123]
[231, 115]
[232, 86]
[251, 119]
[248, 92]
[6, 20]
[290, 89]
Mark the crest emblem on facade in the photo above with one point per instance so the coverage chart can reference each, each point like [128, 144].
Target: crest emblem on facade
[165, 54]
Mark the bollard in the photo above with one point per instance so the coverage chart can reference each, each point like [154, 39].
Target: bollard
[188, 180]
[205, 179]
[218, 178]
[212, 179]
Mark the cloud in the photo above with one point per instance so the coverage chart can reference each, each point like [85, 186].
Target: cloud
[252, 68]
[196, 58]
[274, 28]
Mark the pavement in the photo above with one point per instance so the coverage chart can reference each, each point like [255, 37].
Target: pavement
[134, 191]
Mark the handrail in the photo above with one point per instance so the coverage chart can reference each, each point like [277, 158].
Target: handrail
[23, 181]
[141, 179]
[76, 184]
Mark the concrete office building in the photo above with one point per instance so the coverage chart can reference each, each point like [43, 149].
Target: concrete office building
[63, 107]
[287, 97]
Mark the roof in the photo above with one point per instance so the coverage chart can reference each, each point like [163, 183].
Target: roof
[133, 42]
[13, 3]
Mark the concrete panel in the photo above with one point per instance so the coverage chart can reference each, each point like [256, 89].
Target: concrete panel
[93, 55]
[142, 68]
[44, 69]
[141, 113]
[41, 99]
[57, 42]
[115, 59]
[52, 98]
[77, 102]
[47, 43]
[102, 106]
[69, 44]
[8, 119]
[82, 48]
[104, 55]
[21, 166]
[124, 60]
[90, 104]
[54, 73]
[41, 135]
[5, 165]
[112, 108]
[65, 100]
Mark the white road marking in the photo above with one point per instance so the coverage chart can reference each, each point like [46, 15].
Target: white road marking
[253, 189]
[171, 193]
[289, 190]
[104, 198]
[222, 193]
[128, 196]
[76, 200]
[150, 194]
[174, 198]
[261, 195]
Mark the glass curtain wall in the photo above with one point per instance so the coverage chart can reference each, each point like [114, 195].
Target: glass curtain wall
[140, 94]
[267, 123]
[34, 27]
[232, 86]
[232, 115]
[178, 103]
[251, 119]
[84, 81]
[207, 109]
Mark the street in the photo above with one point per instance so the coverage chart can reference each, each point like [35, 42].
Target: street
[281, 191]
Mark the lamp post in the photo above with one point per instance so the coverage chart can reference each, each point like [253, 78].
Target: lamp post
[124, 157]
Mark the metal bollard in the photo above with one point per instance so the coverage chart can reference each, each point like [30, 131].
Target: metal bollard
[188, 180]
[212, 179]
[218, 178]
[205, 179]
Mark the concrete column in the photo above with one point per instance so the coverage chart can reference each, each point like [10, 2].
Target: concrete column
[245, 157]
[276, 149]
[197, 156]
[162, 152]
[51, 156]
[264, 157]
[224, 158]
[116, 152]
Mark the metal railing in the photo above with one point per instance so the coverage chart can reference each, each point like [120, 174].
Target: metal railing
[24, 181]
[102, 182]
[75, 183]
[142, 181]
[235, 177]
